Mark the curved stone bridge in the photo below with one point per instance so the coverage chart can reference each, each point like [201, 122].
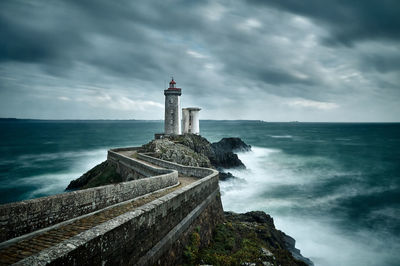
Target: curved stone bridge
[145, 221]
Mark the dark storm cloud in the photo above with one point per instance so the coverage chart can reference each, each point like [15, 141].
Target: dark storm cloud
[63, 33]
[349, 21]
[92, 55]
[32, 32]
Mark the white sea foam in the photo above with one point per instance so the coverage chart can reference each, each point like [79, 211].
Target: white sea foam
[281, 136]
[326, 245]
[49, 184]
[318, 237]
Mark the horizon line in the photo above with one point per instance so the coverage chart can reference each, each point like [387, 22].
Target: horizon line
[133, 119]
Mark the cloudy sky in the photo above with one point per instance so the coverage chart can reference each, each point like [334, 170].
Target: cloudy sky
[274, 60]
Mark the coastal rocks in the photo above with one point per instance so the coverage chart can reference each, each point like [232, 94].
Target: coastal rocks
[197, 143]
[249, 239]
[179, 148]
[168, 150]
[223, 153]
[279, 238]
[225, 175]
[290, 245]
[188, 149]
[230, 145]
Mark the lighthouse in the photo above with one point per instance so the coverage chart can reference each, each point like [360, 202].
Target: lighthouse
[172, 121]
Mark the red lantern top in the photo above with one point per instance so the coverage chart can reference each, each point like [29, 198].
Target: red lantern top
[172, 85]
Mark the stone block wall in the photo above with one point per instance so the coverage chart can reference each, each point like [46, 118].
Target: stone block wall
[204, 225]
[130, 168]
[186, 170]
[23, 217]
[142, 236]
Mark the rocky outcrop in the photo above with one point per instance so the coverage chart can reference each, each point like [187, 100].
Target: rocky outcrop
[230, 145]
[168, 150]
[225, 175]
[102, 174]
[188, 149]
[291, 246]
[223, 155]
[220, 154]
[240, 239]
[197, 143]
[249, 239]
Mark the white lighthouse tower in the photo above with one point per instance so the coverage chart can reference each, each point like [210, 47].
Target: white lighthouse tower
[172, 121]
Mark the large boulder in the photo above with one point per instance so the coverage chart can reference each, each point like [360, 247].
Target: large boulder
[230, 145]
[196, 142]
[224, 156]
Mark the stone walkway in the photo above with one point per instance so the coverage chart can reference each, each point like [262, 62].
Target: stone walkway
[27, 247]
[133, 154]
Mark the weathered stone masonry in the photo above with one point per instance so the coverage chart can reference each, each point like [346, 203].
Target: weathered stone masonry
[27, 216]
[153, 233]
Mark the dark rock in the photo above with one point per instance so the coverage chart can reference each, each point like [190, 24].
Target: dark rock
[231, 145]
[102, 174]
[197, 143]
[226, 160]
[225, 176]
[290, 245]
[280, 239]
[169, 150]
[223, 153]
[251, 217]
[251, 238]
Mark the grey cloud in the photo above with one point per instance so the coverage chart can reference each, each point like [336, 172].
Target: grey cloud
[221, 53]
[349, 21]
[382, 63]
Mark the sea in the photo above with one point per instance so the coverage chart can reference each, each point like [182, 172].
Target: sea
[334, 187]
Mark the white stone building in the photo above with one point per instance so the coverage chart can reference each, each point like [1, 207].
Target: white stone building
[190, 120]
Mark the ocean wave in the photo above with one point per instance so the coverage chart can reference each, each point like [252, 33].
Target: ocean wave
[40, 157]
[325, 244]
[281, 136]
[49, 184]
[294, 188]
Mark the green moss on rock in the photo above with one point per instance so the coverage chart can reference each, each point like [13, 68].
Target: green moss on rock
[169, 150]
[245, 239]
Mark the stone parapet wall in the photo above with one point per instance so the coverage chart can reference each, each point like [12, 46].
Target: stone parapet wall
[130, 168]
[23, 217]
[186, 170]
[141, 236]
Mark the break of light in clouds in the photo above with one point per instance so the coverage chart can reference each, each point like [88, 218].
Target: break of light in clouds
[275, 60]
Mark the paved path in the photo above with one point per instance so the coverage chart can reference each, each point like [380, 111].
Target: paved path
[27, 247]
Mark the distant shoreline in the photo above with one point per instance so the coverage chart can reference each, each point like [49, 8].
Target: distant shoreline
[161, 120]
